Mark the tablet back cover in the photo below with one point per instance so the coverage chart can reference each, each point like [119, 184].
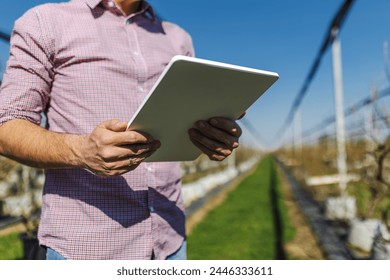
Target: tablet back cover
[192, 89]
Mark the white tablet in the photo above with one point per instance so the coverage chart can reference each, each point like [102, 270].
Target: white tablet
[192, 89]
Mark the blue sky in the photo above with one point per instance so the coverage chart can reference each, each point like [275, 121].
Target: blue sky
[281, 36]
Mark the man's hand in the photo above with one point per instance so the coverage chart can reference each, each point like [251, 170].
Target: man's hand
[216, 137]
[111, 150]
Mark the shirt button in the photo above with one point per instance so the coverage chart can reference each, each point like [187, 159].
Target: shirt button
[136, 53]
[111, 4]
[151, 209]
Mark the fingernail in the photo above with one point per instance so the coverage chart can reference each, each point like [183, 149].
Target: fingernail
[201, 124]
[213, 121]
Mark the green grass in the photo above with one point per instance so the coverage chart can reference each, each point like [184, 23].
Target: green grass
[11, 247]
[241, 227]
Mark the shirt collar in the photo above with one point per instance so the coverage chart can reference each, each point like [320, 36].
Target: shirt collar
[145, 8]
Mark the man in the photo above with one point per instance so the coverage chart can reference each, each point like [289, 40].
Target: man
[88, 64]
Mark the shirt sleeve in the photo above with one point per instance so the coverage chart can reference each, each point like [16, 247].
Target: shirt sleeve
[188, 47]
[181, 40]
[25, 90]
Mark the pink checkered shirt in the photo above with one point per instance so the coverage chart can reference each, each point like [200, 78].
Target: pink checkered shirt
[84, 62]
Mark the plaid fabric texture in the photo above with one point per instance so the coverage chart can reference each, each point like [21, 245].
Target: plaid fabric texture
[84, 62]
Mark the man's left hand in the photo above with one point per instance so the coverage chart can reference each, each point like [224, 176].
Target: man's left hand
[216, 137]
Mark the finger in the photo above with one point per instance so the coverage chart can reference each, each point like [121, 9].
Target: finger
[127, 164]
[217, 134]
[210, 144]
[227, 125]
[121, 136]
[114, 125]
[116, 153]
[211, 154]
[140, 149]
[123, 164]
[128, 138]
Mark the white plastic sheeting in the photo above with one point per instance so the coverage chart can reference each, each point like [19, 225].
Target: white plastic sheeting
[196, 190]
[340, 208]
[364, 233]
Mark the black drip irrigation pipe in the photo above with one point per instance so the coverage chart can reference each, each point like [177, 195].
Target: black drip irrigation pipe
[332, 245]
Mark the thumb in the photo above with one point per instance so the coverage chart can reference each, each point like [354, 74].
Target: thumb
[115, 125]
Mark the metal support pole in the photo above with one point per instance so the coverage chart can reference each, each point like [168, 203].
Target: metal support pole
[340, 127]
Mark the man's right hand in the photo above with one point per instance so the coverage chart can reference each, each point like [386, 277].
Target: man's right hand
[112, 150]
